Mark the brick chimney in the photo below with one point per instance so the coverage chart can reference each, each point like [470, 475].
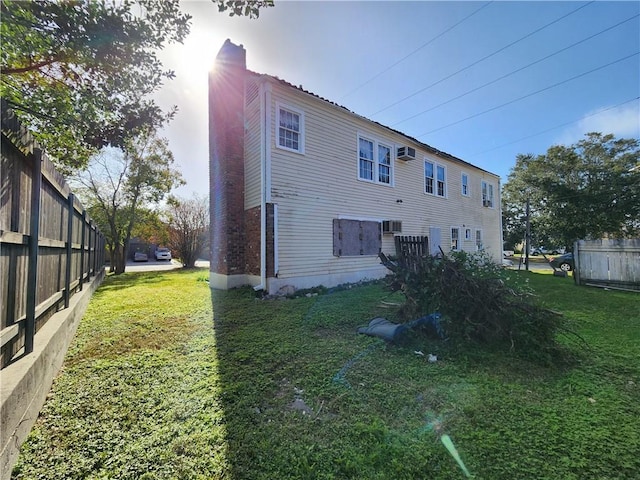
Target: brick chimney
[226, 160]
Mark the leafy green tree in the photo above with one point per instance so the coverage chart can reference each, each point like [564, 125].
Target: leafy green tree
[188, 228]
[587, 190]
[80, 73]
[121, 187]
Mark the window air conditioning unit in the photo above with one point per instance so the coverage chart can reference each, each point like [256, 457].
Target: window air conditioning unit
[406, 153]
[391, 226]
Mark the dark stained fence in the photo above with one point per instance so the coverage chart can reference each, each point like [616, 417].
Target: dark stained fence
[48, 245]
[410, 250]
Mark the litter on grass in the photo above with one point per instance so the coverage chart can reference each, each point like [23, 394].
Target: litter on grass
[389, 331]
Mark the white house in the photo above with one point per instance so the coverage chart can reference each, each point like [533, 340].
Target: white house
[305, 192]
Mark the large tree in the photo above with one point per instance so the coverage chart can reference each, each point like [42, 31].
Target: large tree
[80, 73]
[121, 187]
[589, 189]
[188, 228]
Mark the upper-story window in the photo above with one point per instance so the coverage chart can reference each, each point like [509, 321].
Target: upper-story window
[465, 185]
[290, 128]
[487, 194]
[435, 179]
[374, 161]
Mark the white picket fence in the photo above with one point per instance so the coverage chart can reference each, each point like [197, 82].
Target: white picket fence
[608, 262]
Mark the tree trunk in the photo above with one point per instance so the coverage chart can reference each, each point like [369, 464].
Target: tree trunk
[112, 257]
[120, 260]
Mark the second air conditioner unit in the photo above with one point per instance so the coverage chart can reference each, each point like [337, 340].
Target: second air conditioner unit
[406, 153]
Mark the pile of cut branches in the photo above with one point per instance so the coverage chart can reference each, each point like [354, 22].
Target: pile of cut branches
[477, 301]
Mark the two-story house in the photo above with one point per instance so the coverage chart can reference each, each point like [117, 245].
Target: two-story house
[305, 192]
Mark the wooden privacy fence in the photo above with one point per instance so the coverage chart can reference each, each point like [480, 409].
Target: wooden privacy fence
[608, 262]
[49, 247]
[410, 249]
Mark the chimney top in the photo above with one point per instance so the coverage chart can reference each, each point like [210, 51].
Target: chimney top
[232, 55]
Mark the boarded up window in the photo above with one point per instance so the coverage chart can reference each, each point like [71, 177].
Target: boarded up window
[355, 237]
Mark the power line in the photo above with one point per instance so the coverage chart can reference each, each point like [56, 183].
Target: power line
[515, 71]
[414, 51]
[555, 127]
[481, 60]
[529, 95]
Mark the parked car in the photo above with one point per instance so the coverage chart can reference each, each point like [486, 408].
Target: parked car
[563, 262]
[163, 253]
[507, 263]
[546, 251]
[140, 257]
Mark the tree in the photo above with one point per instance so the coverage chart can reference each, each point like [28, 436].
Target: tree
[121, 187]
[587, 190]
[80, 73]
[188, 228]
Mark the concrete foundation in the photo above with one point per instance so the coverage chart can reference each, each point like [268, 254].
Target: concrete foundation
[24, 384]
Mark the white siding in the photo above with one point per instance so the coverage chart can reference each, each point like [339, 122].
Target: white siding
[252, 152]
[313, 189]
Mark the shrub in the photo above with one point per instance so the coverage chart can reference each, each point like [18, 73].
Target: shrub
[477, 301]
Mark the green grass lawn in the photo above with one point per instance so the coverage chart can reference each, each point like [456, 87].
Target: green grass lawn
[285, 389]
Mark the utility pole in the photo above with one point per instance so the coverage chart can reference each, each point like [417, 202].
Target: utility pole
[527, 238]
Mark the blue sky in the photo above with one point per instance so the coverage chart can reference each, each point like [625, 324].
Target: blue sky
[483, 81]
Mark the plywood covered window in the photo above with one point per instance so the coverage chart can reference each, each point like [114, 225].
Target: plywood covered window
[356, 237]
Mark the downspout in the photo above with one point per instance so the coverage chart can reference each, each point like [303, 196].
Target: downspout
[265, 167]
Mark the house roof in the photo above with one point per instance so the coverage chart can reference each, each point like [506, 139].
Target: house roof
[420, 144]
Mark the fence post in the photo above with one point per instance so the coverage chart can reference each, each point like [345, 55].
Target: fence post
[82, 240]
[90, 260]
[32, 274]
[67, 273]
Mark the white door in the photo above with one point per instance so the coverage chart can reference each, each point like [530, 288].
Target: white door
[434, 240]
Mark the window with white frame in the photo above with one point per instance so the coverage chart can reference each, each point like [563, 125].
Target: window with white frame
[467, 234]
[440, 181]
[465, 185]
[435, 179]
[374, 161]
[487, 194]
[455, 239]
[479, 245]
[290, 123]
[384, 164]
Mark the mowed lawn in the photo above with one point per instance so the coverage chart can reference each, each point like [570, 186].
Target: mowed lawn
[286, 389]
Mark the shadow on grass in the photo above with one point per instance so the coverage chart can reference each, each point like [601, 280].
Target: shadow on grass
[306, 397]
[287, 416]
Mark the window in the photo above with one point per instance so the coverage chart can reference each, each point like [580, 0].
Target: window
[428, 177]
[290, 128]
[374, 161]
[455, 239]
[441, 181]
[384, 164]
[435, 179]
[365, 170]
[465, 184]
[487, 194]
[467, 234]
[479, 245]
